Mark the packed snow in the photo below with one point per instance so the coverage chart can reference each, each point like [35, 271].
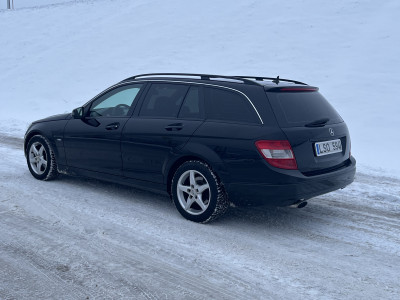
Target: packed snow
[74, 238]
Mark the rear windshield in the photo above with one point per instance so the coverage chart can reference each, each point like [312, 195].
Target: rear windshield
[299, 109]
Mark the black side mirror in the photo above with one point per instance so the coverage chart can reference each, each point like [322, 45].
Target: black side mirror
[77, 113]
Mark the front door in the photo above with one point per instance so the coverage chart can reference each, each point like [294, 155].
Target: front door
[93, 143]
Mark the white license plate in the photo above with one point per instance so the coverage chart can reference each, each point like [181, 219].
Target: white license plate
[328, 147]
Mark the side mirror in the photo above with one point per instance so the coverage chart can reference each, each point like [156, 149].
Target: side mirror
[77, 113]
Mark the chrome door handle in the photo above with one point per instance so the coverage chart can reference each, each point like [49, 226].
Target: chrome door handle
[112, 126]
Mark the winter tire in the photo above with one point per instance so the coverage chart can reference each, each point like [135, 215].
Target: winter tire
[197, 192]
[41, 159]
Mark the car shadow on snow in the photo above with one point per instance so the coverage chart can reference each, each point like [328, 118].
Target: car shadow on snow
[271, 217]
[113, 191]
[268, 217]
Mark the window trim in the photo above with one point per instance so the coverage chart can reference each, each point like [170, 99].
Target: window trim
[206, 84]
[172, 81]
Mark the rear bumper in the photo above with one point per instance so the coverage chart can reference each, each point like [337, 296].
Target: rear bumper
[284, 194]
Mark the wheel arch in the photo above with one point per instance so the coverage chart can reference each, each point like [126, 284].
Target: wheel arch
[48, 136]
[204, 155]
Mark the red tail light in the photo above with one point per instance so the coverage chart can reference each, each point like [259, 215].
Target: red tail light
[278, 154]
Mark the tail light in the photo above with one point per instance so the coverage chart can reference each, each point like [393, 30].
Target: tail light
[278, 154]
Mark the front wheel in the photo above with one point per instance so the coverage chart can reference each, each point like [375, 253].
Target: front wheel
[41, 159]
[197, 192]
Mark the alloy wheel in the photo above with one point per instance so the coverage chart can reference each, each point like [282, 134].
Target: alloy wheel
[38, 158]
[193, 192]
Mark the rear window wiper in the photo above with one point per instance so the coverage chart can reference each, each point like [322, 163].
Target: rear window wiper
[318, 123]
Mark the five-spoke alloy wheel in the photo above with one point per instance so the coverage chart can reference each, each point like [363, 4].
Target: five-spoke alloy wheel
[197, 192]
[193, 192]
[40, 158]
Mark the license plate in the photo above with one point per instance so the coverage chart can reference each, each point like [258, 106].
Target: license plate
[328, 147]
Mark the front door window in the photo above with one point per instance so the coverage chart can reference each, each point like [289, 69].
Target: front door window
[116, 103]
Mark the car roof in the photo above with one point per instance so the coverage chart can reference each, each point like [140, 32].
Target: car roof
[266, 82]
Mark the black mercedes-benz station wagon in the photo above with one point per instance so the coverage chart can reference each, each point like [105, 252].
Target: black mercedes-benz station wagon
[206, 140]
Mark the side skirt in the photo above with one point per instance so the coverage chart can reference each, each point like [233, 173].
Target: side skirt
[140, 184]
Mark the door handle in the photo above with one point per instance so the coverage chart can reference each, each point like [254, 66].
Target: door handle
[112, 126]
[174, 127]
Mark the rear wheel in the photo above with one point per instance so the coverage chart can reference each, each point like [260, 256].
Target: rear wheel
[41, 159]
[197, 192]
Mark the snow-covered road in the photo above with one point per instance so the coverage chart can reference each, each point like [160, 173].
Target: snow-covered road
[77, 238]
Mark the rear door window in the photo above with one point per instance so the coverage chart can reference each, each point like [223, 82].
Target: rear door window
[163, 100]
[228, 106]
[295, 109]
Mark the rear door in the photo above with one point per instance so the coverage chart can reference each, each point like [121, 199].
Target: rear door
[318, 136]
[228, 133]
[169, 115]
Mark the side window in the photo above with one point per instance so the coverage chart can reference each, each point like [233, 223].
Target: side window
[163, 100]
[225, 105]
[115, 103]
[192, 107]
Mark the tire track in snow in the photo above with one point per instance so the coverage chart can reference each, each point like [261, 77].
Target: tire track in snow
[35, 263]
[10, 141]
[125, 256]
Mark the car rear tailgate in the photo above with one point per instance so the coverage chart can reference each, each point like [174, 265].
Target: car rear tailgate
[307, 118]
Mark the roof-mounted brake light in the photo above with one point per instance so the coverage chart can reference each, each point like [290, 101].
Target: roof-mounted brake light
[296, 89]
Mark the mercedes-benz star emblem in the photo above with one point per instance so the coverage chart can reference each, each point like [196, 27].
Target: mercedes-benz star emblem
[331, 132]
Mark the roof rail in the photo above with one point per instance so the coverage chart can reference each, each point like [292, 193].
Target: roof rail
[276, 79]
[244, 79]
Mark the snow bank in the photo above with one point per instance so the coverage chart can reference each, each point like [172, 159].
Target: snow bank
[56, 57]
